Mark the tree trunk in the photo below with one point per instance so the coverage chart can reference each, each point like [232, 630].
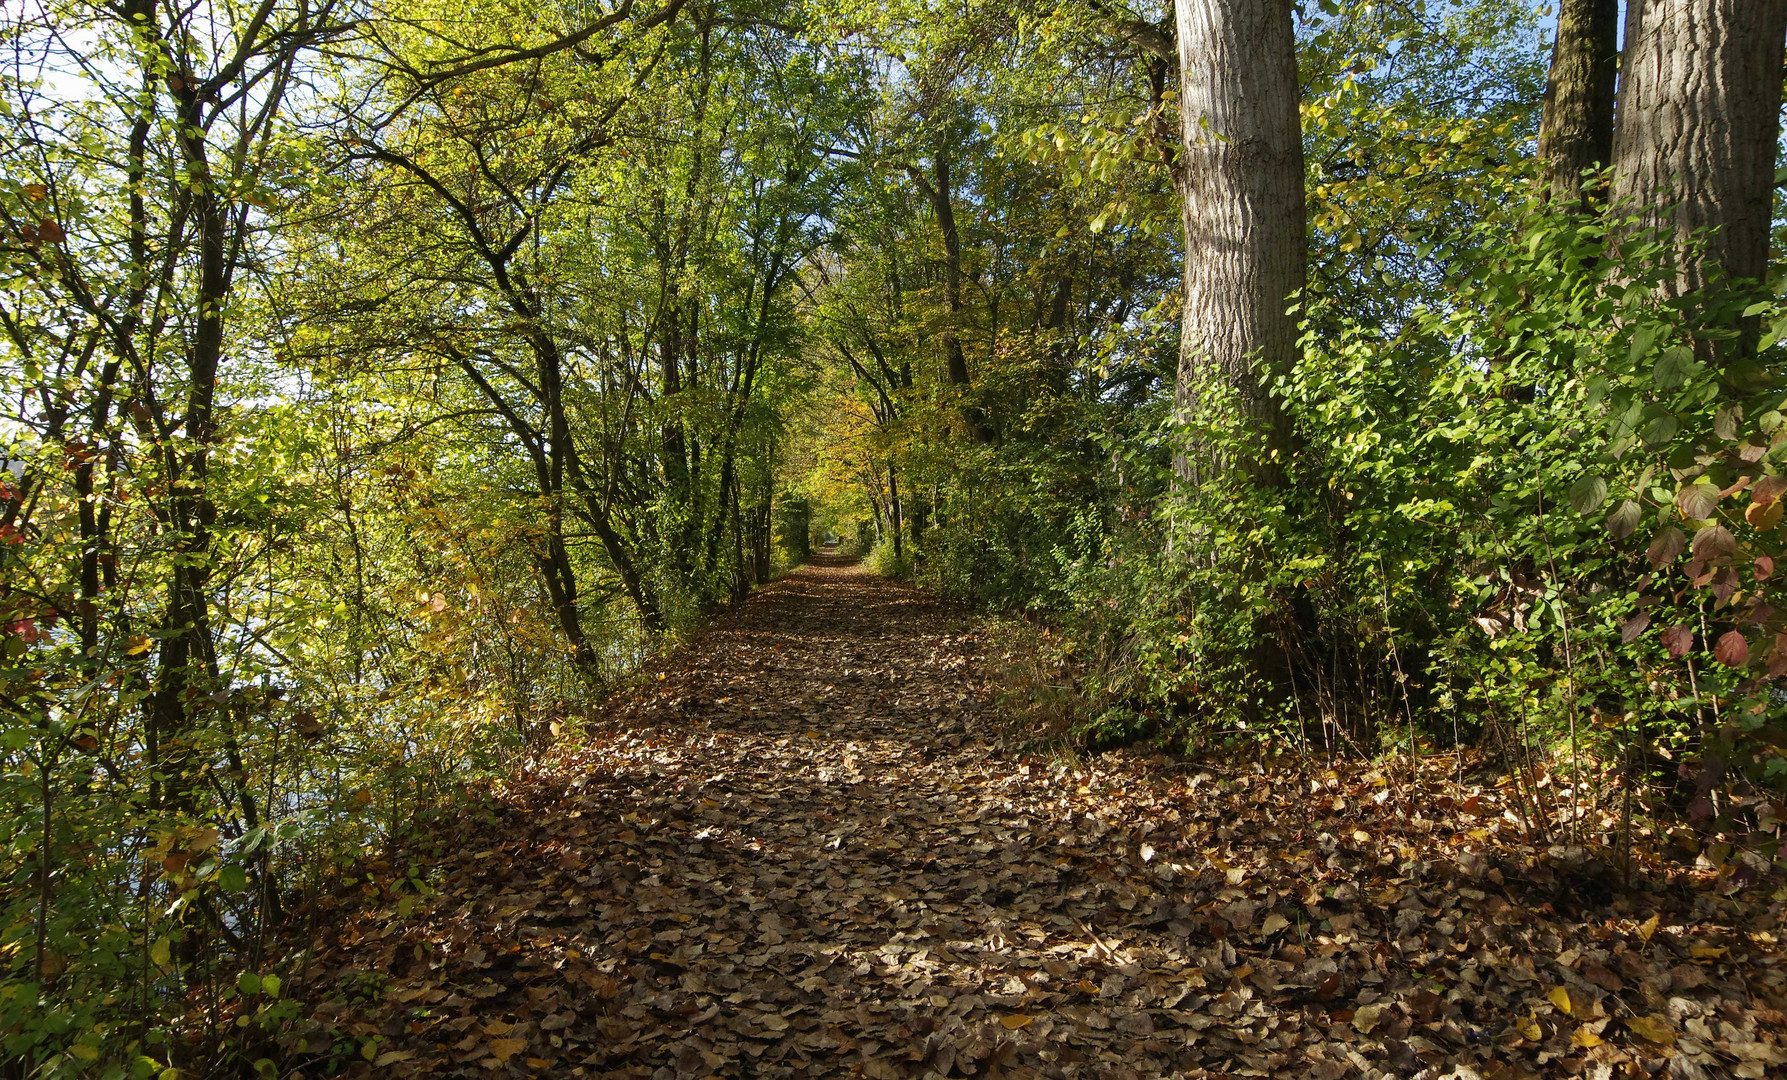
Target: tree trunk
[938, 189]
[1241, 183]
[1576, 126]
[1699, 114]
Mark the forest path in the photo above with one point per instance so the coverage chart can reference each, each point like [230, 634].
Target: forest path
[797, 851]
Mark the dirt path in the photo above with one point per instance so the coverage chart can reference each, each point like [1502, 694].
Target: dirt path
[797, 854]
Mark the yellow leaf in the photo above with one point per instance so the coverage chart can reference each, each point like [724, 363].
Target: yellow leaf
[1559, 997]
[1365, 1018]
[1585, 1038]
[392, 1057]
[504, 1049]
[85, 1051]
[1647, 928]
[1529, 1028]
[1014, 1021]
[538, 1063]
[160, 953]
[139, 644]
[1652, 1029]
[1708, 952]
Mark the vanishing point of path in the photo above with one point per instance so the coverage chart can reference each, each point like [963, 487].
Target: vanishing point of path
[801, 849]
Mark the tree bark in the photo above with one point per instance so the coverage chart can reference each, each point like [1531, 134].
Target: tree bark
[1576, 124]
[1241, 184]
[1699, 115]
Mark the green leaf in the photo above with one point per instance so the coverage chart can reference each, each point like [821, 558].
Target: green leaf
[1642, 340]
[249, 983]
[1725, 424]
[1673, 367]
[1659, 431]
[1587, 493]
[232, 878]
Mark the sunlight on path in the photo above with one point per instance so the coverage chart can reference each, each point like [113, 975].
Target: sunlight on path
[792, 852]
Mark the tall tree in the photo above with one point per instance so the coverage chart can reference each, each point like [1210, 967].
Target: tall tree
[1241, 185]
[1699, 115]
[1576, 125]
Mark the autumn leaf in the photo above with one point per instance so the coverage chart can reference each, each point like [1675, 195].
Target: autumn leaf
[1666, 547]
[1648, 929]
[1560, 997]
[504, 1049]
[1365, 1017]
[1697, 501]
[1732, 649]
[1763, 516]
[1653, 1029]
[1529, 1028]
[1015, 1021]
[1767, 489]
[1714, 542]
[1678, 639]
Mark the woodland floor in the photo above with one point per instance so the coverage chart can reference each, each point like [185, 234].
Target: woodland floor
[805, 847]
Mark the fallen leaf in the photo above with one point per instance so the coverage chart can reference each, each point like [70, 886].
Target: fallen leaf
[1585, 1038]
[1652, 1029]
[1015, 1021]
[504, 1049]
[1529, 1028]
[392, 1057]
[1274, 923]
[1647, 928]
[1560, 997]
[1365, 1017]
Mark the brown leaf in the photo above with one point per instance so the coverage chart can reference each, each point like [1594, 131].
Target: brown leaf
[1767, 489]
[1697, 501]
[1665, 547]
[1732, 650]
[504, 1049]
[1632, 627]
[1714, 542]
[1678, 639]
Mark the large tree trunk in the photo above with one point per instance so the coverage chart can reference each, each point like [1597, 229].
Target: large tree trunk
[1699, 114]
[1241, 183]
[1576, 126]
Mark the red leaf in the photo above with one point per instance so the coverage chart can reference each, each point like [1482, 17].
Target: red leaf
[1763, 567]
[1678, 639]
[1714, 542]
[1768, 489]
[1732, 650]
[1666, 547]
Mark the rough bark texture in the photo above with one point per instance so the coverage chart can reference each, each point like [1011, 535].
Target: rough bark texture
[1576, 126]
[1241, 183]
[1699, 113]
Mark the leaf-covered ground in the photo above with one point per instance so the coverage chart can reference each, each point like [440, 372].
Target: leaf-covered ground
[803, 849]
